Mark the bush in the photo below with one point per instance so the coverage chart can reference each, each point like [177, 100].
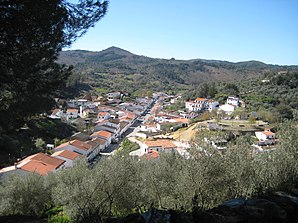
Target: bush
[24, 195]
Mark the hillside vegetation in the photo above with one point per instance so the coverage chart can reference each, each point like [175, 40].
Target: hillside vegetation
[118, 69]
[122, 185]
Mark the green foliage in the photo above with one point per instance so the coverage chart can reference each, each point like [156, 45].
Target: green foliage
[29, 74]
[120, 185]
[117, 69]
[275, 100]
[179, 105]
[92, 194]
[57, 215]
[39, 143]
[24, 195]
[231, 89]
[20, 143]
[207, 90]
[126, 147]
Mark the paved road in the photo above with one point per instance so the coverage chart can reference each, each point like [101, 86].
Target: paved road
[115, 146]
[131, 131]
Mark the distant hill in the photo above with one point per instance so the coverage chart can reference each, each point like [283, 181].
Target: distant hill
[101, 69]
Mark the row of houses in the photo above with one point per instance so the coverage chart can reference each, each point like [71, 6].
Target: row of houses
[41, 164]
[83, 108]
[203, 104]
[107, 130]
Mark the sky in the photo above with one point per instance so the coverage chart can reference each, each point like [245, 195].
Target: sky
[231, 30]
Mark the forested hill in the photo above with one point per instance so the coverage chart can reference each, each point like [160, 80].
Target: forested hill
[160, 74]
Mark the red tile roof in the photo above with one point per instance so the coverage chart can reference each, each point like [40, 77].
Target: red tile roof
[100, 141]
[152, 154]
[66, 154]
[47, 159]
[37, 167]
[40, 163]
[81, 145]
[267, 133]
[102, 133]
[55, 111]
[183, 120]
[102, 114]
[72, 110]
[160, 143]
[76, 143]
[201, 99]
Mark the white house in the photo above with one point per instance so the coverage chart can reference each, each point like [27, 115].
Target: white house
[69, 157]
[211, 105]
[227, 108]
[38, 163]
[99, 144]
[196, 105]
[233, 101]
[72, 113]
[78, 147]
[102, 134]
[113, 95]
[265, 135]
[56, 114]
[201, 104]
[165, 146]
[150, 127]
[103, 115]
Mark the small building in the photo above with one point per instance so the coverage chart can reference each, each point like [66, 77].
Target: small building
[103, 115]
[233, 101]
[72, 113]
[102, 134]
[56, 114]
[38, 163]
[227, 108]
[150, 127]
[69, 157]
[101, 143]
[265, 135]
[201, 104]
[151, 155]
[165, 146]
[113, 95]
[211, 105]
[77, 146]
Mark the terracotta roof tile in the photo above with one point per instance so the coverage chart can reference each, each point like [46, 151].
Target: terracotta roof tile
[201, 99]
[66, 154]
[267, 133]
[79, 144]
[152, 154]
[99, 141]
[183, 120]
[40, 163]
[41, 168]
[102, 113]
[72, 110]
[47, 159]
[102, 133]
[160, 143]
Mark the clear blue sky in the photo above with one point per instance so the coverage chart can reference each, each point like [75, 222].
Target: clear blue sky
[232, 30]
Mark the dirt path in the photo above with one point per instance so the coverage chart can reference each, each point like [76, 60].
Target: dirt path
[186, 134]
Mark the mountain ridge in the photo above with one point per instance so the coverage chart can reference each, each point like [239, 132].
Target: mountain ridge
[102, 68]
[123, 51]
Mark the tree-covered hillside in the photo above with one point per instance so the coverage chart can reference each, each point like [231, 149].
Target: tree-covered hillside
[102, 69]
